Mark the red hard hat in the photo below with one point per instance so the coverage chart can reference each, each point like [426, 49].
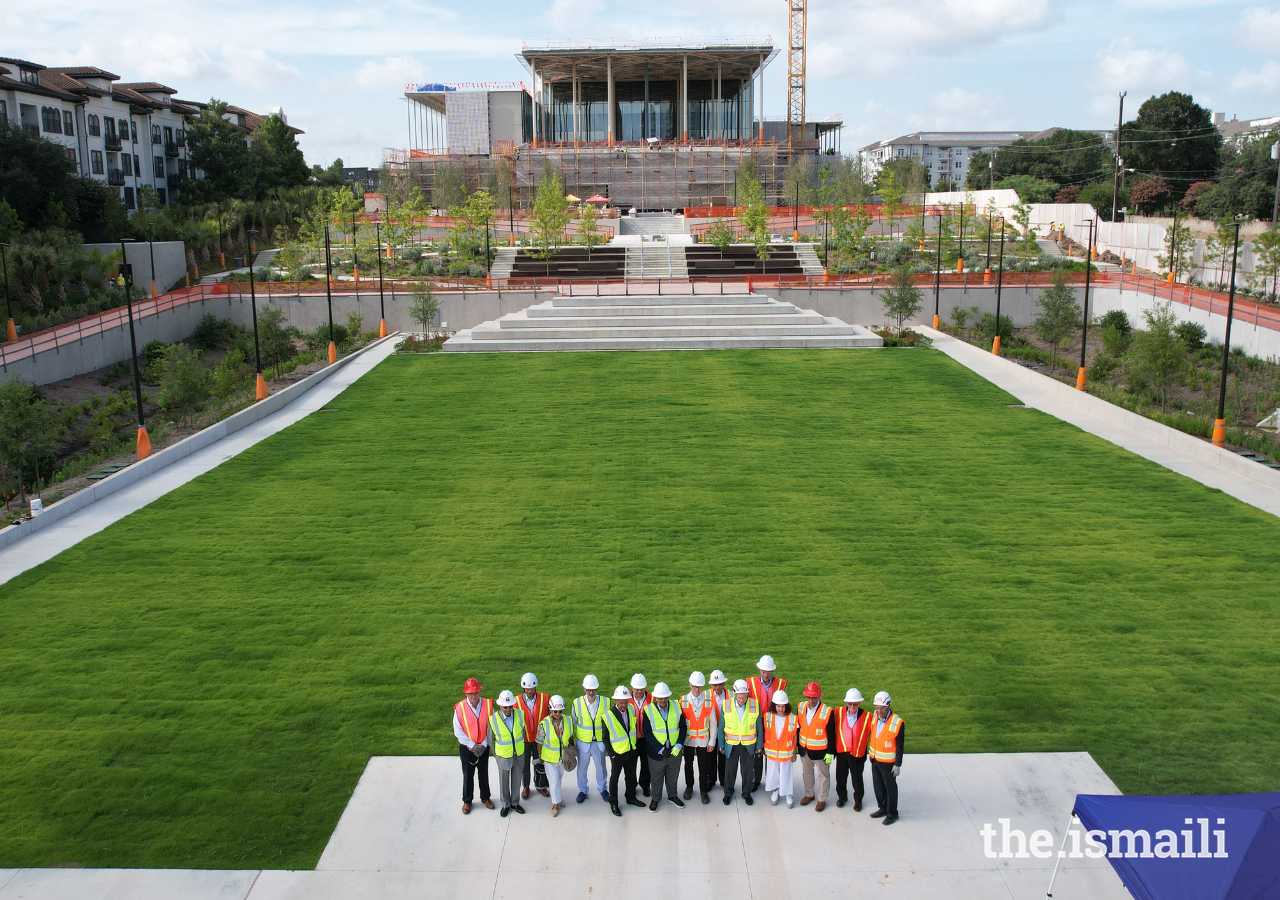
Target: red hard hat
[472, 686]
[812, 690]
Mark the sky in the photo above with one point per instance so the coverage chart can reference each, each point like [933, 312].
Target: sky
[338, 69]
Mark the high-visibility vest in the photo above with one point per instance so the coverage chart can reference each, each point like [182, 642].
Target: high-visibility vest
[777, 748]
[586, 727]
[621, 739]
[884, 746]
[666, 729]
[722, 700]
[740, 729]
[764, 695]
[533, 715]
[552, 745]
[508, 742]
[639, 707]
[697, 724]
[851, 735]
[813, 732]
[475, 727]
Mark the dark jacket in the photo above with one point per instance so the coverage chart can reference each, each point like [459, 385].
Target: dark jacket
[651, 745]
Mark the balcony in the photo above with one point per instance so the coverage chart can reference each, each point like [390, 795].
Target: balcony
[116, 177]
[33, 129]
[174, 180]
[171, 149]
[112, 142]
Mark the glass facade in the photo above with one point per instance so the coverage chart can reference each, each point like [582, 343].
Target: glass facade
[729, 118]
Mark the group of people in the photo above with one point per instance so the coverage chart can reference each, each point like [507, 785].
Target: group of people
[746, 734]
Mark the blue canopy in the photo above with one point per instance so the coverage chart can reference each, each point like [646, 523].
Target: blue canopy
[1224, 847]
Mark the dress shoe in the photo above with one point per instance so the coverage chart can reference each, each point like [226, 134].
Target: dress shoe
[524, 793]
[822, 804]
[644, 790]
[582, 798]
[857, 806]
[879, 814]
[614, 808]
[488, 804]
[505, 811]
[840, 803]
[634, 802]
[805, 801]
[747, 798]
[604, 795]
[555, 809]
[688, 793]
[466, 809]
[706, 798]
[518, 808]
[889, 820]
[653, 806]
[728, 798]
[677, 803]
[544, 792]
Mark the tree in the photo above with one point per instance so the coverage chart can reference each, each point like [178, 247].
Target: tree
[549, 219]
[184, 383]
[1246, 181]
[908, 175]
[471, 222]
[450, 188]
[1065, 157]
[232, 377]
[1160, 356]
[218, 149]
[1059, 315]
[1178, 246]
[1175, 137]
[720, 234]
[1194, 195]
[1030, 190]
[275, 338]
[425, 307]
[29, 430]
[902, 300]
[754, 216]
[1150, 195]
[277, 157]
[331, 176]
[1100, 196]
[1266, 262]
[589, 226]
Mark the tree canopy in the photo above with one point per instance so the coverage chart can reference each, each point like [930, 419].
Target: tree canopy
[1064, 157]
[1173, 137]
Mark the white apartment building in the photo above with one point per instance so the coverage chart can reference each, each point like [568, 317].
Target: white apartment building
[1236, 131]
[126, 134]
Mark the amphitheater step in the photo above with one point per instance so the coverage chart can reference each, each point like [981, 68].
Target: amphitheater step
[757, 310]
[663, 300]
[807, 255]
[798, 317]
[651, 224]
[504, 261]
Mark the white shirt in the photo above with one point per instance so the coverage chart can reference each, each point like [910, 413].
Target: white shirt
[808, 713]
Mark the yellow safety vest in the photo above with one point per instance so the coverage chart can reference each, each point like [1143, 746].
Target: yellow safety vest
[507, 742]
[740, 730]
[665, 730]
[589, 728]
[621, 740]
[552, 744]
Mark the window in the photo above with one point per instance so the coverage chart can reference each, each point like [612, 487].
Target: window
[4, 111]
[29, 76]
[182, 137]
[95, 158]
[51, 119]
[68, 125]
[182, 169]
[160, 195]
[168, 135]
[126, 163]
[928, 151]
[155, 134]
[128, 198]
[157, 166]
[124, 130]
[94, 128]
[137, 164]
[133, 129]
[71, 154]
[109, 126]
[957, 165]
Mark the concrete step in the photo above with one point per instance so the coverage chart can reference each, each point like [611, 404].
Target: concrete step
[618, 321]
[491, 331]
[504, 261]
[710, 309]
[663, 300]
[462, 342]
[807, 254]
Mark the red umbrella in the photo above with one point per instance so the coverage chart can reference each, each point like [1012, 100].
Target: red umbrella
[598, 199]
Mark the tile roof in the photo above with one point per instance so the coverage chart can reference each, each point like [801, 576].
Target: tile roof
[148, 87]
[85, 72]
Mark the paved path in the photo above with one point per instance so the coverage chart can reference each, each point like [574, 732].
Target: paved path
[1247, 481]
[49, 542]
[402, 836]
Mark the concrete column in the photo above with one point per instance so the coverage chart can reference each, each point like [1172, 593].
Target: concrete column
[684, 98]
[644, 130]
[717, 129]
[537, 102]
[762, 98]
[608, 66]
[577, 128]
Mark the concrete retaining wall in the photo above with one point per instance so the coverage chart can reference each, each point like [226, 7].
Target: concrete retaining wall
[170, 256]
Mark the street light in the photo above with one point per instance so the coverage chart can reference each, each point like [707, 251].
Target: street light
[1084, 328]
[151, 249]
[1275, 207]
[937, 281]
[328, 293]
[11, 330]
[260, 383]
[382, 307]
[1220, 423]
[995, 344]
[126, 281]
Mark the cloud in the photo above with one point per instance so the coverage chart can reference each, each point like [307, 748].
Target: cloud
[1260, 29]
[391, 73]
[252, 66]
[1264, 81]
[1122, 66]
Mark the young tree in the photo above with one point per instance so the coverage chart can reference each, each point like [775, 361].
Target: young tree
[275, 338]
[450, 188]
[472, 220]
[589, 226]
[549, 220]
[1266, 262]
[232, 377]
[720, 234]
[1160, 356]
[29, 430]
[1059, 315]
[754, 216]
[1178, 245]
[902, 300]
[425, 307]
[184, 383]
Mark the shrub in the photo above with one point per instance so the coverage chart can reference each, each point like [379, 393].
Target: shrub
[1050, 262]
[317, 340]
[894, 255]
[411, 254]
[232, 377]
[902, 300]
[1192, 335]
[355, 324]
[275, 339]
[987, 325]
[1118, 319]
[184, 383]
[211, 332]
[153, 355]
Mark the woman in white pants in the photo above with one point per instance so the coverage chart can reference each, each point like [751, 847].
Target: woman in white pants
[780, 730]
[555, 733]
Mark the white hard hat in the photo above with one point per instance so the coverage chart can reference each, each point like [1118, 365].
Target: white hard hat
[853, 695]
[638, 682]
[697, 679]
[591, 683]
[740, 687]
[528, 680]
[766, 663]
[661, 691]
[506, 698]
[780, 696]
[557, 702]
[717, 677]
[621, 693]
[883, 699]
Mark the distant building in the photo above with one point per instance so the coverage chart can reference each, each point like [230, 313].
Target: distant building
[364, 176]
[1236, 131]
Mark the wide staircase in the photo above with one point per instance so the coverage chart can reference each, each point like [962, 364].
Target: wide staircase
[651, 223]
[689, 322]
[807, 255]
[504, 261]
[656, 259]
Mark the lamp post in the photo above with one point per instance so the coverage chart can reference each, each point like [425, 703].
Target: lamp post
[260, 383]
[382, 306]
[1173, 249]
[328, 294]
[355, 252]
[1220, 423]
[1084, 326]
[222, 250]
[1275, 207]
[937, 281]
[986, 275]
[126, 281]
[11, 330]
[151, 249]
[1115, 188]
[796, 234]
[995, 344]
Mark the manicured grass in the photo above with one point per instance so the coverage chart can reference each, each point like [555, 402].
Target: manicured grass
[202, 683]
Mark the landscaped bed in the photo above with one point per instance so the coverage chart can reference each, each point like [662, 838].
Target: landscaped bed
[202, 683]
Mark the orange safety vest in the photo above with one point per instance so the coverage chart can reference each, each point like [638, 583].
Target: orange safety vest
[699, 726]
[475, 727]
[852, 736]
[533, 715]
[884, 746]
[813, 733]
[779, 749]
[639, 707]
[764, 695]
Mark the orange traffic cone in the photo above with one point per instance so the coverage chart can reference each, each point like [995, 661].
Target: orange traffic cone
[382, 328]
[1219, 432]
[261, 393]
[333, 353]
[144, 443]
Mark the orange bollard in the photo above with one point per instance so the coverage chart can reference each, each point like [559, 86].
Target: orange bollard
[197, 272]
[513, 241]
[154, 292]
[11, 331]
[1080, 379]
[357, 274]
[333, 353]
[1170, 278]
[488, 280]
[261, 392]
[144, 443]
[224, 260]
[937, 322]
[995, 346]
[986, 276]
[1219, 432]
[795, 237]
[382, 328]
[1094, 254]
[960, 266]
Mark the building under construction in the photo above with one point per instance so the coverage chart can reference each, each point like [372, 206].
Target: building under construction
[647, 126]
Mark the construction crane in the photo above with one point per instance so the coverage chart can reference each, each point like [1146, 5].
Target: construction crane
[797, 21]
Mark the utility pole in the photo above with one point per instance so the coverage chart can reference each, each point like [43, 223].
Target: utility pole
[1115, 188]
[937, 281]
[1275, 207]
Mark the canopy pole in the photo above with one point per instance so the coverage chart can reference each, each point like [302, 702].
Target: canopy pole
[1062, 850]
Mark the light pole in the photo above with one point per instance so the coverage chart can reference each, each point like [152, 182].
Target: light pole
[382, 306]
[960, 261]
[355, 251]
[260, 383]
[126, 281]
[995, 344]
[222, 250]
[328, 294]
[1220, 423]
[11, 330]
[1115, 188]
[151, 249]
[1173, 248]
[1084, 327]
[937, 281]
[1275, 207]
[796, 234]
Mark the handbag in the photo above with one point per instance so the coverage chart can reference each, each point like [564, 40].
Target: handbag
[569, 755]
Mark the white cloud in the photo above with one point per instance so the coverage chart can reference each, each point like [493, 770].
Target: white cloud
[1260, 29]
[391, 73]
[1122, 66]
[252, 66]
[1264, 81]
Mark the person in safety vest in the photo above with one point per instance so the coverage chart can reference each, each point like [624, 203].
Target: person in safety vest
[780, 732]
[506, 741]
[471, 728]
[664, 736]
[701, 720]
[622, 743]
[721, 696]
[740, 740]
[640, 698]
[815, 745]
[555, 735]
[888, 734]
[588, 730]
[533, 703]
[762, 688]
[853, 731]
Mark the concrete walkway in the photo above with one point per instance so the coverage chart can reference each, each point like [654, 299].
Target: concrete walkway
[402, 836]
[1199, 460]
[28, 552]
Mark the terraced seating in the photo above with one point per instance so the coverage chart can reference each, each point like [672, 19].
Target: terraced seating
[573, 262]
[739, 260]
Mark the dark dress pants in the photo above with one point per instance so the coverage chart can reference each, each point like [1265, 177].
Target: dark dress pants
[847, 764]
[706, 768]
[623, 763]
[886, 786]
[473, 765]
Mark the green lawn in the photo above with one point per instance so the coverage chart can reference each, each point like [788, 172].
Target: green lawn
[202, 683]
